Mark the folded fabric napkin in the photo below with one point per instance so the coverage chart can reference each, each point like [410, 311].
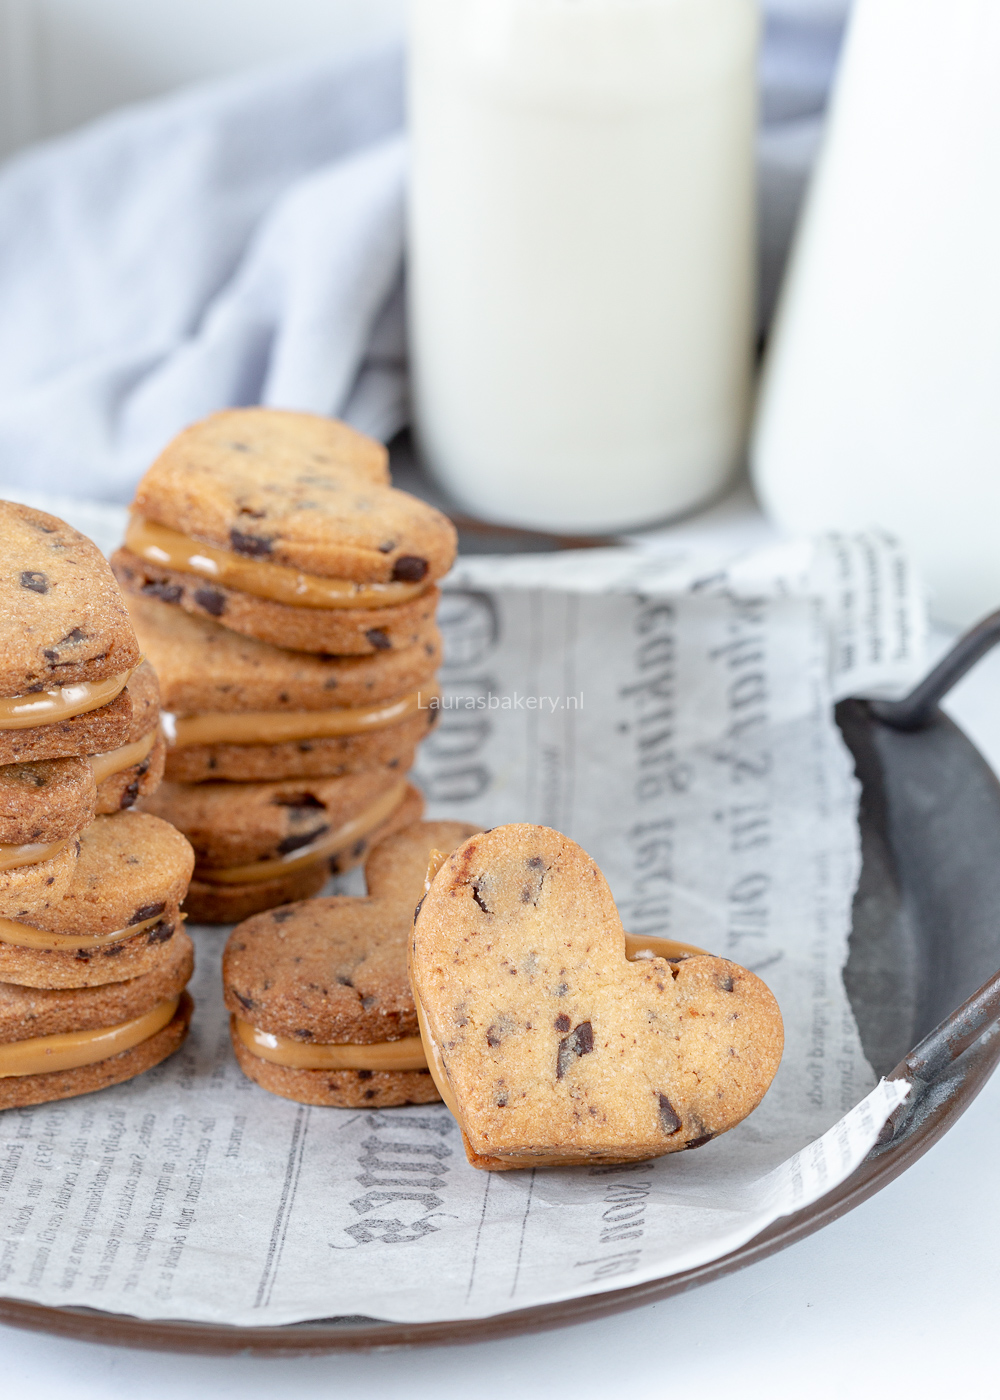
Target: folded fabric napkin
[242, 242]
[238, 243]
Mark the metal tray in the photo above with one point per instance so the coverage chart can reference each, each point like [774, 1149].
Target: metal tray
[921, 972]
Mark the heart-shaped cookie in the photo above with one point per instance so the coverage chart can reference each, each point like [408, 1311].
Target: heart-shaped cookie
[320, 998]
[548, 1045]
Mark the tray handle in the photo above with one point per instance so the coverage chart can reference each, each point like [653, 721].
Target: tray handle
[917, 710]
[933, 1057]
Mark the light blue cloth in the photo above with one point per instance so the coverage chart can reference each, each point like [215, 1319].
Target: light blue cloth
[242, 242]
[238, 243]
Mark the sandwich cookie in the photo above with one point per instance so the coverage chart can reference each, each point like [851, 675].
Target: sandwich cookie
[242, 710]
[43, 808]
[45, 801]
[319, 993]
[549, 1045]
[283, 526]
[40, 878]
[134, 768]
[59, 1043]
[67, 648]
[118, 915]
[262, 844]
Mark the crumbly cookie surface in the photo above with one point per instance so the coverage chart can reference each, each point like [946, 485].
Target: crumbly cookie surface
[65, 621]
[209, 903]
[341, 1088]
[333, 971]
[235, 823]
[330, 631]
[22, 1090]
[116, 961]
[35, 892]
[26, 1012]
[132, 867]
[296, 490]
[555, 1047]
[46, 800]
[205, 668]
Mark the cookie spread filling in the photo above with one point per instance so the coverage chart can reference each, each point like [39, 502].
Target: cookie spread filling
[391, 1055]
[65, 701]
[105, 765]
[26, 936]
[639, 946]
[169, 548]
[435, 1064]
[32, 853]
[330, 843]
[276, 727]
[47, 1054]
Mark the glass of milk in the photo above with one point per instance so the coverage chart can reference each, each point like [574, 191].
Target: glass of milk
[581, 274]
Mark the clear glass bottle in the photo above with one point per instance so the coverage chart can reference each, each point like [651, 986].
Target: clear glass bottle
[581, 274]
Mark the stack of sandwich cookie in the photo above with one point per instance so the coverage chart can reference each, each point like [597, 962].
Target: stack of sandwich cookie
[122, 772]
[87, 899]
[321, 1005]
[92, 992]
[240, 710]
[293, 809]
[285, 593]
[285, 527]
[72, 680]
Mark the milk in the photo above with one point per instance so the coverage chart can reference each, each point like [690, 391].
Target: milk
[581, 274]
[881, 401]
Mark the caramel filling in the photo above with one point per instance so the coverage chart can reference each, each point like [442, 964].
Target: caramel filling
[52, 706]
[435, 1064]
[293, 1054]
[173, 550]
[46, 1054]
[32, 854]
[269, 727]
[117, 760]
[639, 946]
[25, 936]
[435, 860]
[329, 844]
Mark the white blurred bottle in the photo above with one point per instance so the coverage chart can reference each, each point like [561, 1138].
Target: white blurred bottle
[581, 273]
[881, 395]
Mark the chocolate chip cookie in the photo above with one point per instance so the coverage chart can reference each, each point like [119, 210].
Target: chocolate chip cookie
[211, 901]
[64, 620]
[326, 981]
[548, 1044]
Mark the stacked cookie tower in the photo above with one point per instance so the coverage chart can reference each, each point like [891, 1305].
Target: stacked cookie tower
[286, 594]
[93, 960]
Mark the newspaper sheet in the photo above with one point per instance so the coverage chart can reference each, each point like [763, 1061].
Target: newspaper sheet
[674, 716]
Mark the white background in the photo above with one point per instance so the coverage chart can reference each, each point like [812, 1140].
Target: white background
[65, 61]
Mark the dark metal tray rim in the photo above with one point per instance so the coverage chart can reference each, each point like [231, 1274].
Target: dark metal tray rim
[946, 1070]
